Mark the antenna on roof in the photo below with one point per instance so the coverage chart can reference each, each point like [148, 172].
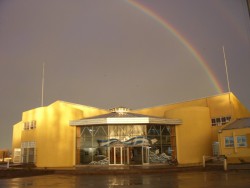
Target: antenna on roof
[42, 85]
[225, 60]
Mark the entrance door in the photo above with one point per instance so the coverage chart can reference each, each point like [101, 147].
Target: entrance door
[126, 155]
[119, 155]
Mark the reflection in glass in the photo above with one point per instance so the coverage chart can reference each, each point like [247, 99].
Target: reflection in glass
[125, 144]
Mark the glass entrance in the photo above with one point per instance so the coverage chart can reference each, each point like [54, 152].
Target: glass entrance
[128, 155]
[119, 155]
[125, 144]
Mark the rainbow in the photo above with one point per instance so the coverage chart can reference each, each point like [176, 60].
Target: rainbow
[164, 23]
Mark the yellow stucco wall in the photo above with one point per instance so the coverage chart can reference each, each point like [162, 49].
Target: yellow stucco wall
[16, 136]
[225, 104]
[235, 154]
[193, 136]
[218, 105]
[54, 137]
[160, 111]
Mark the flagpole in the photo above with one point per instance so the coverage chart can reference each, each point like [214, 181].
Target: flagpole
[42, 85]
[225, 60]
[228, 86]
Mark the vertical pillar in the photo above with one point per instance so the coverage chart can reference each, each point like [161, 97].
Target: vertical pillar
[8, 163]
[121, 155]
[114, 155]
[225, 164]
[204, 161]
[109, 155]
[128, 155]
[142, 157]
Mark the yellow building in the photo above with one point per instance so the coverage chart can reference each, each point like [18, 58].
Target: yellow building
[235, 141]
[44, 136]
[65, 134]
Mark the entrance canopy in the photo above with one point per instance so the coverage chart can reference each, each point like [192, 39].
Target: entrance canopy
[123, 116]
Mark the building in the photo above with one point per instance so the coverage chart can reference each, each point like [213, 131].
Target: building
[65, 134]
[235, 141]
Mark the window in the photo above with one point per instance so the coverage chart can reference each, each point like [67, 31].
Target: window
[228, 119]
[241, 141]
[29, 125]
[33, 124]
[26, 126]
[213, 122]
[229, 141]
[218, 121]
[28, 150]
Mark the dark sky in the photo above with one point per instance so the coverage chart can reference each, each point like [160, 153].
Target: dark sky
[109, 53]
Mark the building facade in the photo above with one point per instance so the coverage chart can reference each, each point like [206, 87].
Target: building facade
[66, 135]
[235, 141]
[121, 137]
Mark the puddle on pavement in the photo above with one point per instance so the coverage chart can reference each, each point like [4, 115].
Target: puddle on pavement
[179, 179]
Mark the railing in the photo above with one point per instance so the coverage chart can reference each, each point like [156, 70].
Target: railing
[223, 159]
[5, 164]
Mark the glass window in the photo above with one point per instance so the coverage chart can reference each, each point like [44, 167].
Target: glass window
[100, 131]
[223, 120]
[26, 126]
[218, 121]
[153, 130]
[95, 144]
[229, 141]
[213, 122]
[28, 152]
[86, 131]
[32, 124]
[241, 141]
[165, 130]
[31, 156]
[228, 118]
[166, 140]
[86, 142]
